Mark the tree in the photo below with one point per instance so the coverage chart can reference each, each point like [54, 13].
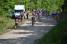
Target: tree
[50, 5]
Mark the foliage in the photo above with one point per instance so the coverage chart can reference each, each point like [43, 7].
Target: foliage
[5, 23]
[51, 5]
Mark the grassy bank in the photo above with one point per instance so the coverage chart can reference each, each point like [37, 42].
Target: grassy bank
[5, 23]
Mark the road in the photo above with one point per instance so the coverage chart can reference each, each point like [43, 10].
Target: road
[28, 34]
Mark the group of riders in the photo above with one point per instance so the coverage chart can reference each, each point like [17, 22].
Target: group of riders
[36, 14]
[19, 16]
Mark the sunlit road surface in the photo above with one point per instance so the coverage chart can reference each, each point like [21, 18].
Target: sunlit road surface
[28, 34]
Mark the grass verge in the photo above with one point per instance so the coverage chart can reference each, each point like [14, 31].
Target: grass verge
[5, 24]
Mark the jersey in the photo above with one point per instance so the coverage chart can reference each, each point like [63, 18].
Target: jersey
[17, 13]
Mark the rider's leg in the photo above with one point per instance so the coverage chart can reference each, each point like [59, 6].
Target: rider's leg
[27, 16]
[15, 22]
[21, 18]
[24, 16]
[33, 21]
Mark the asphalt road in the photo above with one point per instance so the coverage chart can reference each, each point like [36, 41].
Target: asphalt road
[28, 34]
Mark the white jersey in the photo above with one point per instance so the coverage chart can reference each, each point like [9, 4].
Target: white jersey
[17, 13]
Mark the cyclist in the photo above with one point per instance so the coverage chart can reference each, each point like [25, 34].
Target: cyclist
[17, 18]
[33, 17]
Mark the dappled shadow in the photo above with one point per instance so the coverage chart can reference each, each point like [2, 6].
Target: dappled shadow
[48, 20]
[12, 41]
[36, 29]
[29, 33]
[22, 32]
[33, 27]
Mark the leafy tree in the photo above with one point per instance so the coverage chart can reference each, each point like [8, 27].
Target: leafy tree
[50, 5]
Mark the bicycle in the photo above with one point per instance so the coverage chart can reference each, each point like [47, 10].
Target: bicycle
[17, 20]
[33, 21]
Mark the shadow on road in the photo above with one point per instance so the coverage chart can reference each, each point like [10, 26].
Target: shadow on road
[32, 32]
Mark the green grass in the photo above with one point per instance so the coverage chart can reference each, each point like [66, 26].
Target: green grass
[57, 35]
[5, 23]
